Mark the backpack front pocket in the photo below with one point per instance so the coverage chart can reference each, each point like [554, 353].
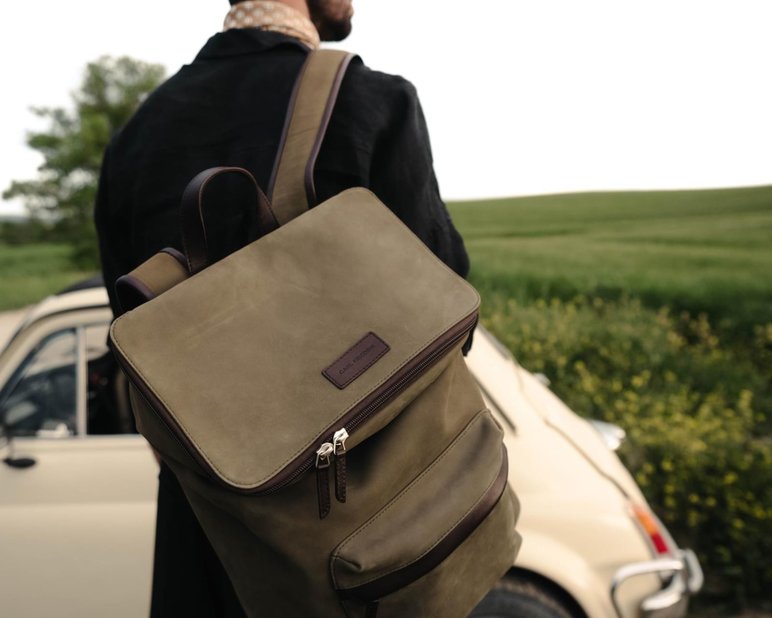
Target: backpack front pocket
[431, 517]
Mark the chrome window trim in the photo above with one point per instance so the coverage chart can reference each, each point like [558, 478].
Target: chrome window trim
[81, 385]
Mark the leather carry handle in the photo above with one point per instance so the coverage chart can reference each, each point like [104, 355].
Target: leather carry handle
[291, 189]
[154, 276]
[194, 240]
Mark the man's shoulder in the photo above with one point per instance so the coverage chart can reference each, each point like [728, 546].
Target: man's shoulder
[361, 79]
[371, 97]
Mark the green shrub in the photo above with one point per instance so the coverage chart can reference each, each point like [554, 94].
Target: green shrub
[697, 442]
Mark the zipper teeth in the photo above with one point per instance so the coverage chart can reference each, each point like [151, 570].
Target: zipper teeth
[465, 326]
[396, 580]
[361, 416]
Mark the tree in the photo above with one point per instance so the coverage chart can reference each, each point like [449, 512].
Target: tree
[72, 148]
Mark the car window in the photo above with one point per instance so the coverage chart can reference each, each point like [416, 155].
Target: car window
[41, 396]
[107, 402]
[96, 341]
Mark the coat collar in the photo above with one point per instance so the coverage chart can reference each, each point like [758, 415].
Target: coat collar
[243, 41]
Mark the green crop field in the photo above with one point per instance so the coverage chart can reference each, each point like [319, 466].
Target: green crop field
[28, 273]
[696, 250]
[653, 310]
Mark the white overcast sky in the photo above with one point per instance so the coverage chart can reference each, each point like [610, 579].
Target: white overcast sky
[521, 97]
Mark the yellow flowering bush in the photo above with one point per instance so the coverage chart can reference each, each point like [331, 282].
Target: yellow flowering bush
[698, 442]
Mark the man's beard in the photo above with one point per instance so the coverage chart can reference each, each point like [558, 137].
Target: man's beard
[332, 18]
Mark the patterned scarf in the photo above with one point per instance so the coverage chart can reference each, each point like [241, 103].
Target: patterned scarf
[274, 17]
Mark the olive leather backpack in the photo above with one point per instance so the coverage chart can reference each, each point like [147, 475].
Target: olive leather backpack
[310, 394]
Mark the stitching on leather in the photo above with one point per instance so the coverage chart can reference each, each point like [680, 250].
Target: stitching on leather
[437, 542]
[325, 428]
[393, 501]
[362, 368]
[361, 339]
[421, 246]
[273, 472]
[180, 427]
[319, 432]
[284, 463]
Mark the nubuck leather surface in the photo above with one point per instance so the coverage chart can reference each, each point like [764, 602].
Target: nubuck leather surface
[310, 394]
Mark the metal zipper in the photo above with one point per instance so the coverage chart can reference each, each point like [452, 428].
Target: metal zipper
[295, 469]
[357, 417]
[326, 452]
[323, 456]
[339, 450]
[375, 590]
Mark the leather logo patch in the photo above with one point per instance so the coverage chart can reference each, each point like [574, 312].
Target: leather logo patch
[356, 360]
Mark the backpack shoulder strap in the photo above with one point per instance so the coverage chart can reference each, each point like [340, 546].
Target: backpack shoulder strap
[291, 189]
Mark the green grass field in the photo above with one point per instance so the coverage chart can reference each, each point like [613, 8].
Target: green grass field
[29, 273]
[696, 250]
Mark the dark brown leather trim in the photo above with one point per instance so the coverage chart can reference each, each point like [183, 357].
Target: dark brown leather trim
[311, 164]
[371, 404]
[305, 460]
[383, 586]
[162, 412]
[131, 292]
[177, 255]
[192, 225]
[356, 360]
[402, 378]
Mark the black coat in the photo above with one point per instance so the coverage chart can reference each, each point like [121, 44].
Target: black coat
[228, 108]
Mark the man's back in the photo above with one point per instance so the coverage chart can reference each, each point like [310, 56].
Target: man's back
[228, 108]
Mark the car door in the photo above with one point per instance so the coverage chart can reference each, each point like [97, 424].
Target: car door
[77, 509]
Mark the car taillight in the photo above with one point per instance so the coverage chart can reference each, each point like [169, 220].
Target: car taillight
[651, 528]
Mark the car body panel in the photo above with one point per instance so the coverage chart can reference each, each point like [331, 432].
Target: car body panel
[571, 496]
[77, 527]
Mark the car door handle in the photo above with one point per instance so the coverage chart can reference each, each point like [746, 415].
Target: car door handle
[19, 462]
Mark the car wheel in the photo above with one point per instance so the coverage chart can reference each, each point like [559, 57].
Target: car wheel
[520, 598]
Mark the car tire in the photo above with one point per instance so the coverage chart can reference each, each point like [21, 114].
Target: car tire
[520, 598]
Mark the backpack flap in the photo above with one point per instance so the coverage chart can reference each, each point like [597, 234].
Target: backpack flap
[323, 325]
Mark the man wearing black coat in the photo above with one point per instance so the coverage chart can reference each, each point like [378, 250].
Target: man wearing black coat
[228, 108]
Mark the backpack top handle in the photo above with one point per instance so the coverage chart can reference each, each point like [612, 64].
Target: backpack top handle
[193, 231]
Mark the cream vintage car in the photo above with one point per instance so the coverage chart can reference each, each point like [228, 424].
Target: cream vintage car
[77, 488]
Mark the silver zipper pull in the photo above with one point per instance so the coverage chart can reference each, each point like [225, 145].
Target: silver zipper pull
[323, 456]
[339, 447]
[339, 441]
